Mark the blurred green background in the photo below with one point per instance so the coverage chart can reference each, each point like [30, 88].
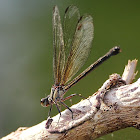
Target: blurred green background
[26, 55]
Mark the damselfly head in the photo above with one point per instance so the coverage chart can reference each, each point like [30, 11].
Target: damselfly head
[45, 101]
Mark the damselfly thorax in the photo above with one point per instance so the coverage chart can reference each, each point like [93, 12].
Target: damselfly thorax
[56, 95]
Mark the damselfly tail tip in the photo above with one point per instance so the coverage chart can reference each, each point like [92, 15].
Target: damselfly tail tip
[115, 50]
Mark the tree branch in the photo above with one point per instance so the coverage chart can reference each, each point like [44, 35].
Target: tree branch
[116, 105]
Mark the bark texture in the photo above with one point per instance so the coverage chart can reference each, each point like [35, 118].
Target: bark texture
[116, 105]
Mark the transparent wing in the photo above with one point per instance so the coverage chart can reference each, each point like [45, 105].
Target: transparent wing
[70, 22]
[58, 45]
[80, 48]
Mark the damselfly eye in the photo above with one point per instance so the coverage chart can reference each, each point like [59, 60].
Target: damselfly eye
[45, 102]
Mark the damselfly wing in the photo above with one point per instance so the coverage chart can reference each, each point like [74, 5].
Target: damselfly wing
[71, 43]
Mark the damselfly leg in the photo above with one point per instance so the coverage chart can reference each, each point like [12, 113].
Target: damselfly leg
[67, 108]
[50, 110]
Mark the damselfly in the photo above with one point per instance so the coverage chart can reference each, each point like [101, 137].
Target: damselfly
[71, 44]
